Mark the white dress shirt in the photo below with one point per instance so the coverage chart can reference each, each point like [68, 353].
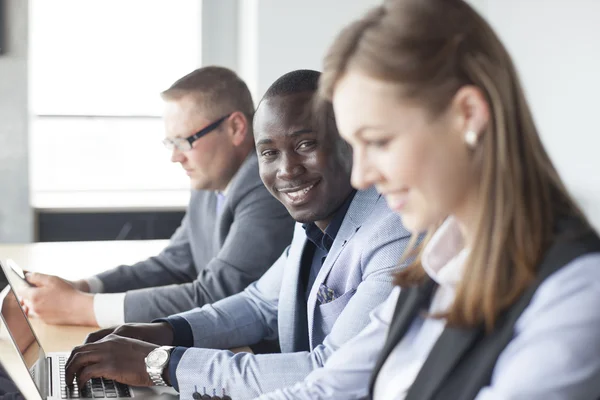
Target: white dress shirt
[554, 354]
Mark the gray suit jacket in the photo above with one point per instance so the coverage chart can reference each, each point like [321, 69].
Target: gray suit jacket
[358, 268]
[209, 257]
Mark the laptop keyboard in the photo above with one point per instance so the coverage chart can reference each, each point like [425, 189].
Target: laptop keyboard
[94, 388]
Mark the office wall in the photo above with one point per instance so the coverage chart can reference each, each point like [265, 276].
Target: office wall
[277, 36]
[16, 217]
[556, 47]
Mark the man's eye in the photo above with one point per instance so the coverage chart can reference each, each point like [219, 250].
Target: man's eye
[268, 153]
[307, 144]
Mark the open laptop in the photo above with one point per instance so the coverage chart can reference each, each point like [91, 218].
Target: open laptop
[9, 389]
[47, 371]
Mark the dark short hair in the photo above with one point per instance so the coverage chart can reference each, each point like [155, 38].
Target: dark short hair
[298, 81]
[218, 89]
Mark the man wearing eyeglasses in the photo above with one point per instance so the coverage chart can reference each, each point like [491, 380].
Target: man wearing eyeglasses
[232, 232]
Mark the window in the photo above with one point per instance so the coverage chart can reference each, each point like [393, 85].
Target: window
[97, 68]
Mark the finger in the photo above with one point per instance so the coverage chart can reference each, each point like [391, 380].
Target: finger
[26, 292]
[84, 348]
[37, 278]
[95, 336]
[28, 309]
[88, 372]
[78, 361]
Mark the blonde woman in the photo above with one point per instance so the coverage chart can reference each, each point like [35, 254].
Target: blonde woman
[501, 302]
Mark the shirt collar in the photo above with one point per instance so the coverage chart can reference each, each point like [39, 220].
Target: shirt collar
[224, 192]
[325, 240]
[444, 256]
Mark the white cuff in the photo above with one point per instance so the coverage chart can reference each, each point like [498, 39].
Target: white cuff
[109, 309]
[95, 284]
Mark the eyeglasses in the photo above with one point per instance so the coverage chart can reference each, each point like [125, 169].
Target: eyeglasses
[185, 144]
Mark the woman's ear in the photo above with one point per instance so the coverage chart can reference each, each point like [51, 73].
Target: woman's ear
[472, 114]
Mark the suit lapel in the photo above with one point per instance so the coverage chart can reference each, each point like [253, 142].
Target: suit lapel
[444, 356]
[244, 178]
[216, 220]
[292, 304]
[360, 208]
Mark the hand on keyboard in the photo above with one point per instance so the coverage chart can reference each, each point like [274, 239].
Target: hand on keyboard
[96, 387]
[114, 357]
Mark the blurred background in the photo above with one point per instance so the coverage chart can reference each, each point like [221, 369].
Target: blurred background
[80, 116]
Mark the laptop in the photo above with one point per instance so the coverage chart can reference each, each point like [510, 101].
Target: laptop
[47, 371]
[9, 389]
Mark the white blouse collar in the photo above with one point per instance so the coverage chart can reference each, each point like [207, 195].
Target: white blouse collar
[444, 256]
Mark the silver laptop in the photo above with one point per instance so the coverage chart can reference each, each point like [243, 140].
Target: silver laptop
[47, 371]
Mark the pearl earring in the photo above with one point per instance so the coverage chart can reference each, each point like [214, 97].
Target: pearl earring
[471, 138]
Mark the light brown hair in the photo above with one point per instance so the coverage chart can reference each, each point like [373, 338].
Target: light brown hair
[429, 49]
[218, 90]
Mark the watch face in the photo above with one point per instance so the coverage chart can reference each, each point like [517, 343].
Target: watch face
[157, 358]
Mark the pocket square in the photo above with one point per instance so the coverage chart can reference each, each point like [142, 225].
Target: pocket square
[325, 294]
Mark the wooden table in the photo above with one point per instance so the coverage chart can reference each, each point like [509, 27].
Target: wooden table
[76, 260]
[69, 260]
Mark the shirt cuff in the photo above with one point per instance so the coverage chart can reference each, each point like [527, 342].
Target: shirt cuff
[109, 309]
[96, 285]
[176, 355]
[182, 331]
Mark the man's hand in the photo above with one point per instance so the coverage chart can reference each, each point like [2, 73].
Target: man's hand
[160, 333]
[56, 301]
[80, 285]
[114, 357]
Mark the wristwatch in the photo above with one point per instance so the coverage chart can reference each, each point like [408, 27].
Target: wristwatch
[156, 362]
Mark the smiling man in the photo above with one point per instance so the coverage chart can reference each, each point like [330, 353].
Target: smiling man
[317, 296]
[232, 232]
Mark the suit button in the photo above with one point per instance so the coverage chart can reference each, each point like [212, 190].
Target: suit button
[225, 397]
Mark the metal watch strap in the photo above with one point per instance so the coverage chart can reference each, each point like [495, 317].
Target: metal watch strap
[157, 376]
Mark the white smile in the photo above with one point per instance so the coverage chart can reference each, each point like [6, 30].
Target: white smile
[299, 195]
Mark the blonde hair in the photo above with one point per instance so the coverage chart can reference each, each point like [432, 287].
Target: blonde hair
[218, 90]
[430, 49]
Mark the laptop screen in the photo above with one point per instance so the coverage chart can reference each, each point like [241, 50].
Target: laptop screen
[22, 334]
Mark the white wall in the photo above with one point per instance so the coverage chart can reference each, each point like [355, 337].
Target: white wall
[16, 217]
[278, 36]
[556, 47]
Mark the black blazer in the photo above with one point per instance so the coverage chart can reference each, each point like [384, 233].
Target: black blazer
[462, 360]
